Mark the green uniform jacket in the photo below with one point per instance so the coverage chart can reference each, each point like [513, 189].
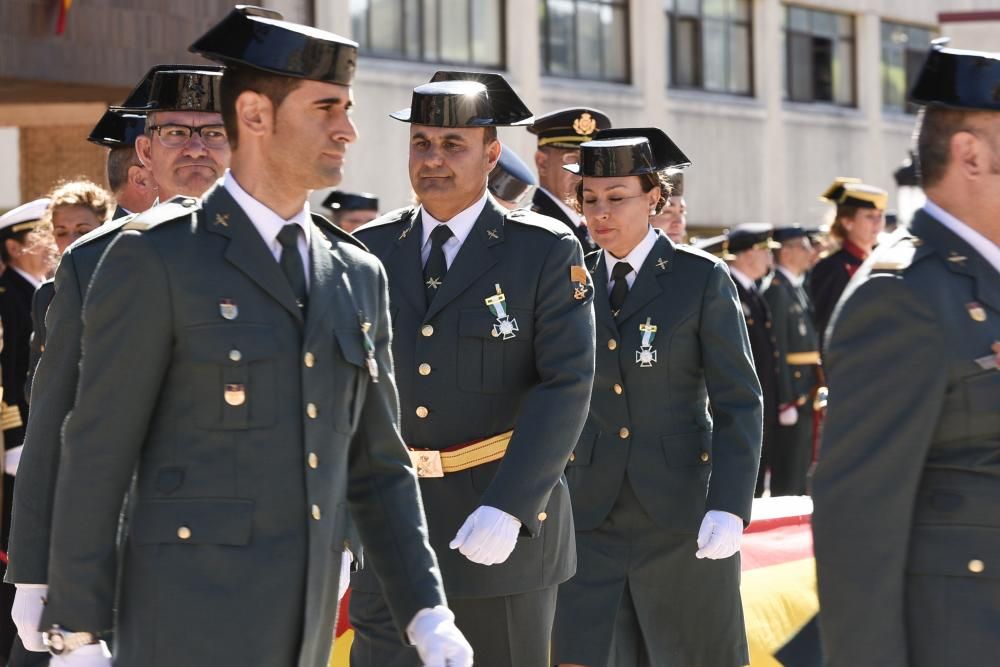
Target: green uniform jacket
[56, 376]
[907, 488]
[794, 332]
[537, 383]
[687, 428]
[252, 431]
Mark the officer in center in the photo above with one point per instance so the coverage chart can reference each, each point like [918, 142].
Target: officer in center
[494, 348]
[560, 134]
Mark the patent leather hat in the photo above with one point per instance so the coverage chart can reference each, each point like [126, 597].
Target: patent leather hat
[465, 99]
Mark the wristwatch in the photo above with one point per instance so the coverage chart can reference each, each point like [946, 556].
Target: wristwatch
[60, 641]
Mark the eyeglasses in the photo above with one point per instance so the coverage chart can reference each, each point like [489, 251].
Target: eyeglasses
[175, 136]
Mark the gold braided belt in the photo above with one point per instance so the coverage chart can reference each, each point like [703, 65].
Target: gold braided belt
[438, 462]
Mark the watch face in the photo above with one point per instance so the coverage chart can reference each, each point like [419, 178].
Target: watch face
[56, 644]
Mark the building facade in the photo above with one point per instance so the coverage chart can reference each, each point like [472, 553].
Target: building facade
[771, 99]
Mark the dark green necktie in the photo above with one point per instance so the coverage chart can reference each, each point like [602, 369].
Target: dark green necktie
[291, 264]
[436, 266]
[619, 290]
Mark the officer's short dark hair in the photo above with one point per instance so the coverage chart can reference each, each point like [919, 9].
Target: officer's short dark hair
[490, 135]
[237, 80]
[120, 160]
[935, 128]
[20, 237]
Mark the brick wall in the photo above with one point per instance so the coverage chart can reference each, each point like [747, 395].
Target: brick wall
[52, 154]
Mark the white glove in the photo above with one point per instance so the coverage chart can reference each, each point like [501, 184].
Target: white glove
[345, 573]
[720, 535]
[26, 612]
[92, 655]
[12, 459]
[488, 536]
[789, 416]
[437, 640]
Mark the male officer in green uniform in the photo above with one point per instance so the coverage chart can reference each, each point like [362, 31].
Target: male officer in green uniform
[255, 399]
[57, 372]
[798, 362]
[493, 334]
[560, 134]
[907, 488]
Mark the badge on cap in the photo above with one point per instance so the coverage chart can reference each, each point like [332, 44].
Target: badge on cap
[506, 325]
[976, 311]
[585, 124]
[228, 309]
[235, 394]
[645, 356]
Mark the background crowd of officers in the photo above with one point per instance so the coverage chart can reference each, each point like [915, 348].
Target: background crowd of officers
[574, 346]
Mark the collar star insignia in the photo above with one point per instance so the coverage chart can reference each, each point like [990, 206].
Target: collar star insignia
[404, 234]
[433, 282]
[492, 233]
[222, 219]
[661, 263]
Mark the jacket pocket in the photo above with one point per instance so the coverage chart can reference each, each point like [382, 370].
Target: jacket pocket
[687, 449]
[955, 551]
[982, 392]
[583, 453]
[234, 368]
[348, 391]
[487, 362]
[221, 521]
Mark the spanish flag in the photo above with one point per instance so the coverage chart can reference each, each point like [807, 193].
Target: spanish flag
[64, 6]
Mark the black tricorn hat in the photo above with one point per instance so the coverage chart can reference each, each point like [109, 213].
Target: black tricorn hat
[465, 99]
[750, 235]
[177, 88]
[117, 129]
[511, 177]
[628, 152]
[958, 79]
[789, 233]
[260, 38]
[568, 128]
[351, 201]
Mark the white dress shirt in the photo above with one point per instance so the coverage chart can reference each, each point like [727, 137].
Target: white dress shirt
[575, 217]
[268, 223]
[743, 279]
[793, 280]
[460, 226]
[635, 259]
[35, 282]
[985, 247]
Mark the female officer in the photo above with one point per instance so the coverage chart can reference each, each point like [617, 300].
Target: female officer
[859, 221]
[662, 478]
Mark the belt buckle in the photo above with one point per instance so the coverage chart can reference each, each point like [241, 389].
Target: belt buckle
[427, 463]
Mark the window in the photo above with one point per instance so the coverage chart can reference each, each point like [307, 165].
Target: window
[460, 32]
[585, 39]
[710, 45]
[819, 56]
[904, 48]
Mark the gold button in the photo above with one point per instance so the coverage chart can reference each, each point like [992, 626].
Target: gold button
[184, 533]
[617, 389]
[612, 344]
[572, 457]
[976, 566]
[311, 410]
[704, 457]
[309, 360]
[316, 514]
[424, 369]
[427, 331]
[623, 433]
[235, 355]
[797, 375]
[776, 354]
[767, 325]
[313, 460]
[542, 516]
[422, 412]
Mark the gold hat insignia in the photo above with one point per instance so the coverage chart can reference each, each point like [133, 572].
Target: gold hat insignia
[585, 124]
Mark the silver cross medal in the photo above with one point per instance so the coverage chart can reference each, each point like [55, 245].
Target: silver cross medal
[645, 356]
[505, 326]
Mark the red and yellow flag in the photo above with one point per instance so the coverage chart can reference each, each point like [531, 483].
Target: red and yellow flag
[64, 6]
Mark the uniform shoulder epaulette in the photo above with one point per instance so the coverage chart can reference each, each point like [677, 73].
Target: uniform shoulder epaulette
[394, 217]
[178, 208]
[110, 227]
[525, 216]
[897, 254]
[330, 228]
[695, 252]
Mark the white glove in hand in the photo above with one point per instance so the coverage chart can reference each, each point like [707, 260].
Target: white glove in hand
[437, 640]
[92, 655]
[26, 612]
[345, 573]
[720, 535]
[12, 459]
[488, 536]
[789, 416]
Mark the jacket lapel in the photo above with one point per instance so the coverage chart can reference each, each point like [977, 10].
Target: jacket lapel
[647, 284]
[402, 262]
[246, 249]
[602, 300]
[959, 257]
[323, 283]
[474, 258]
